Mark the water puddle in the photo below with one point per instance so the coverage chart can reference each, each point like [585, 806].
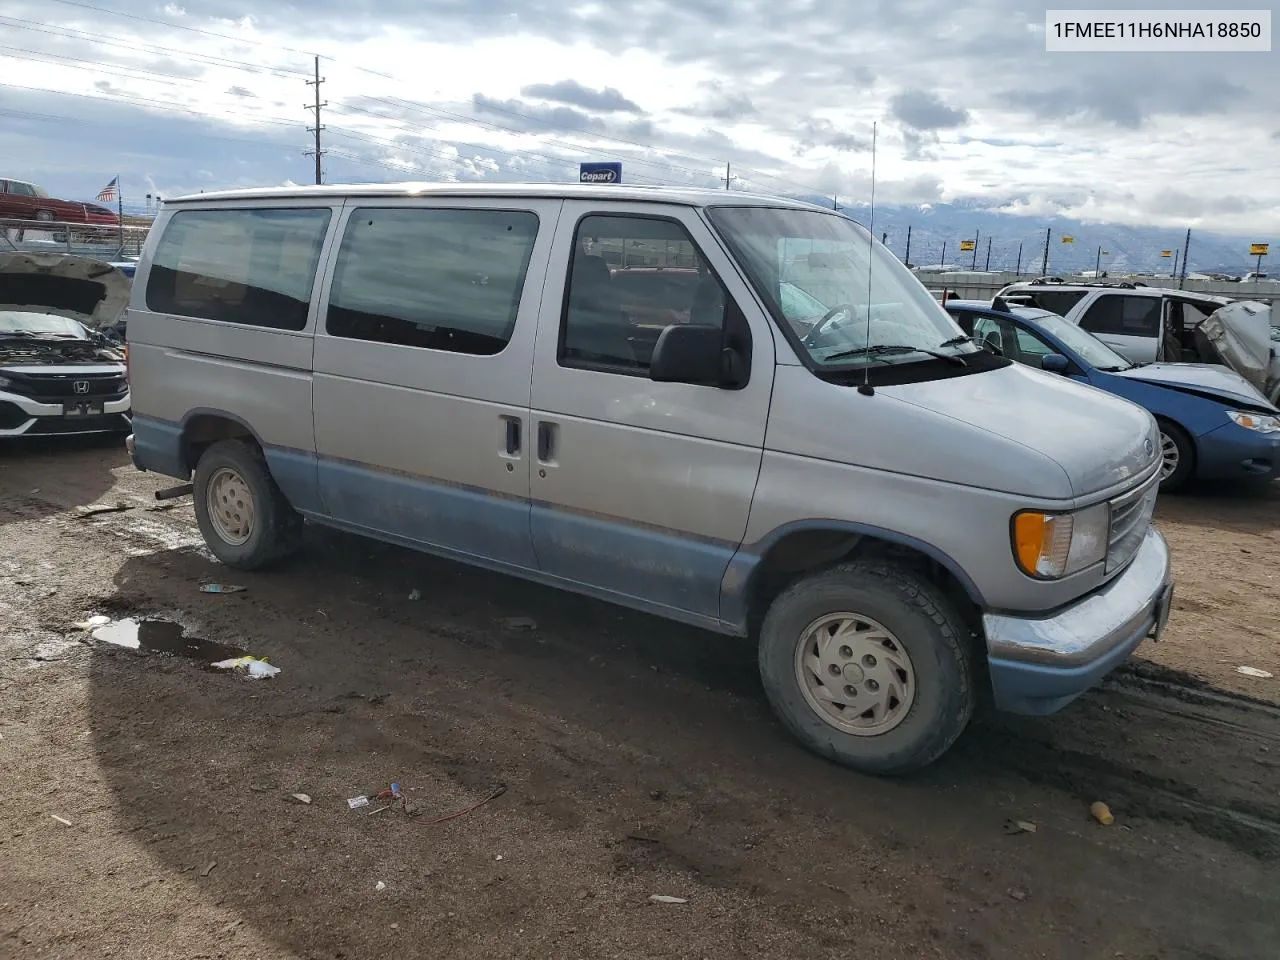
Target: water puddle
[156, 636]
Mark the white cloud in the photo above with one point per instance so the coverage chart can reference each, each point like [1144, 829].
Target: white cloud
[970, 106]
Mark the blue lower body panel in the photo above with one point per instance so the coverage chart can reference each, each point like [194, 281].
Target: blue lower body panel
[157, 447]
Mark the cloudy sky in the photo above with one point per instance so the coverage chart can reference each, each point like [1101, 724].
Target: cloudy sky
[179, 97]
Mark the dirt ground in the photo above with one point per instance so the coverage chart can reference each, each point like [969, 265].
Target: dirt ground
[639, 758]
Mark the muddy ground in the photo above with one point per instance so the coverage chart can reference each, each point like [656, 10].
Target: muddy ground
[639, 758]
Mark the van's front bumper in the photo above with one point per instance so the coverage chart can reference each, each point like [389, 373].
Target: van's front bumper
[1038, 666]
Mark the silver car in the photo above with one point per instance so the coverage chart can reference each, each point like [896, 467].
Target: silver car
[892, 514]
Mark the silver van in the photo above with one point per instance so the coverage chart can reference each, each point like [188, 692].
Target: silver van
[733, 411]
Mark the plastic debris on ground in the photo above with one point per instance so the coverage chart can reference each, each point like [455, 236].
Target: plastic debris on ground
[1019, 826]
[1102, 813]
[395, 796]
[1253, 672]
[415, 595]
[65, 823]
[663, 898]
[300, 797]
[256, 668]
[379, 885]
[221, 588]
[92, 623]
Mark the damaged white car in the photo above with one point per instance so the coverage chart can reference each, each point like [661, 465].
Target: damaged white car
[60, 371]
[1245, 336]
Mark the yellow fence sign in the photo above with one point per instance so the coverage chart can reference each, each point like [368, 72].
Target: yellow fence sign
[1257, 249]
[967, 244]
[1166, 253]
[1068, 239]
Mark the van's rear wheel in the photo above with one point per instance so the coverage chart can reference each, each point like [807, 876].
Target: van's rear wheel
[244, 518]
[866, 664]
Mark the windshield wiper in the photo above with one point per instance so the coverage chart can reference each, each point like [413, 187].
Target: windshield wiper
[881, 349]
[956, 341]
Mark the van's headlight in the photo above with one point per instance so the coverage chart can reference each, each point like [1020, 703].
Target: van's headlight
[1049, 546]
[1255, 421]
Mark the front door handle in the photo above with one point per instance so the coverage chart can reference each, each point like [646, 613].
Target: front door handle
[513, 433]
[547, 434]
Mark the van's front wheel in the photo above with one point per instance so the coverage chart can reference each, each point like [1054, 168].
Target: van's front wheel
[866, 663]
[244, 518]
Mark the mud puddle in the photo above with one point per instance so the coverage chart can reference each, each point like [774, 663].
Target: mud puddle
[156, 636]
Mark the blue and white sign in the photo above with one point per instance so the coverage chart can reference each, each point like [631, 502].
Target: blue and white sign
[600, 172]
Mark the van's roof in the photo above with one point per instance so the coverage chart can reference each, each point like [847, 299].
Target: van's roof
[688, 196]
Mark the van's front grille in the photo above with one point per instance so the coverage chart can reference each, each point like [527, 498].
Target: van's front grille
[1130, 519]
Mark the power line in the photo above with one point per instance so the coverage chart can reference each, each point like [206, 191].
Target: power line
[108, 40]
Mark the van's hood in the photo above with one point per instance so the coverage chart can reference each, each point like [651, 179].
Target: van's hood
[1201, 379]
[90, 291]
[1097, 439]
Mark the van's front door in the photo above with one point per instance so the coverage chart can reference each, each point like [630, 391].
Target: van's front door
[423, 359]
[641, 490]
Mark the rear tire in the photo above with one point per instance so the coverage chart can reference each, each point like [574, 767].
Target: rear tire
[1178, 457]
[244, 518]
[845, 639]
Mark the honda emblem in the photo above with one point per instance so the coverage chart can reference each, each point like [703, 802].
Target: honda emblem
[80, 386]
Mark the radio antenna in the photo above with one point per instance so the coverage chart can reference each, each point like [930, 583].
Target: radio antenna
[866, 389]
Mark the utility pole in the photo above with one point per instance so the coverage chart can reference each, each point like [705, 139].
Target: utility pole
[1186, 247]
[835, 203]
[1044, 267]
[1017, 271]
[977, 235]
[1097, 264]
[728, 174]
[988, 266]
[907, 258]
[943, 261]
[316, 152]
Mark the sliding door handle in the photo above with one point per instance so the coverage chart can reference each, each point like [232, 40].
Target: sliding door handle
[547, 435]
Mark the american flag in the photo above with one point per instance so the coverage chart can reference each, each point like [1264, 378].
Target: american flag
[109, 191]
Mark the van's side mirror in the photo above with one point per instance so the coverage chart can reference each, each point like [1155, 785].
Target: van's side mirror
[694, 353]
[1055, 363]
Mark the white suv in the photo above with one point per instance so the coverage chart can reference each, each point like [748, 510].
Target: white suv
[1132, 319]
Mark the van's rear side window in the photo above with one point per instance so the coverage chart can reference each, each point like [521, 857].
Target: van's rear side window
[250, 266]
[443, 279]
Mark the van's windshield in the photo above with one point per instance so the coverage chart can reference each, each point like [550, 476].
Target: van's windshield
[812, 271]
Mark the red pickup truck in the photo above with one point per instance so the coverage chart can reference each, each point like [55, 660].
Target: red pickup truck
[20, 200]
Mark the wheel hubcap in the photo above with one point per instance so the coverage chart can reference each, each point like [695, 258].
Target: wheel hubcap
[855, 674]
[1169, 456]
[230, 505]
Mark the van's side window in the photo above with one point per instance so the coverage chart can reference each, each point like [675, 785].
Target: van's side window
[1122, 315]
[254, 267]
[629, 278]
[442, 279]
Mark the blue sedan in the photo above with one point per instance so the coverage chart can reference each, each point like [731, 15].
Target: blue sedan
[1214, 424]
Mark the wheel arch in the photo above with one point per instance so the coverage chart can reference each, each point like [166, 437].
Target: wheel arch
[757, 574]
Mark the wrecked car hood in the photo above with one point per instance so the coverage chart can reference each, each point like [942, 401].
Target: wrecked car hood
[1203, 379]
[1241, 333]
[91, 291]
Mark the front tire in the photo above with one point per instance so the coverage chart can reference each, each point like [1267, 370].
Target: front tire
[244, 518]
[1178, 457]
[866, 664]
